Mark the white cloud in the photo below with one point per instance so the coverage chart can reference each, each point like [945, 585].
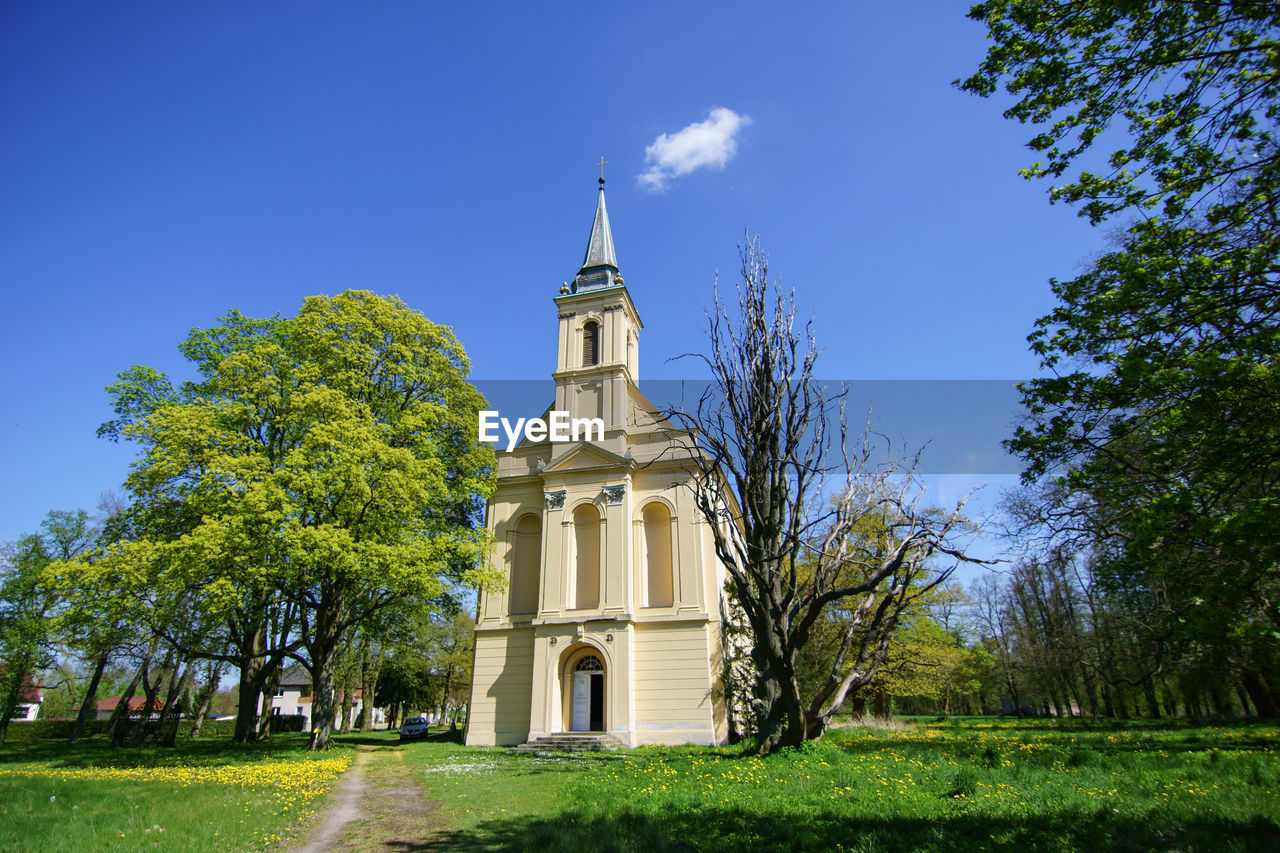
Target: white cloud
[704, 143]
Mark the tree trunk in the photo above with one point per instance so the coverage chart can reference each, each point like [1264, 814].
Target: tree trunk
[767, 690]
[1153, 704]
[252, 661]
[1259, 694]
[324, 650]
[150, 691]
[1191, 702]
[883, 705]
[174, 704]
[1220, 706]
[269, 687]
[1243, 696]
[344, 725]
[204, 699]
[114, 728]
[1122, 702]
[90, 697]
[1170, 699]
[1012, 684]
[369, 667]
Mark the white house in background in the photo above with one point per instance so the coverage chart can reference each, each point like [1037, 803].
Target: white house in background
[29, 699]
[294, 697]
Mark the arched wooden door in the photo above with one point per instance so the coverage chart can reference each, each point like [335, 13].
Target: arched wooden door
[587, 703]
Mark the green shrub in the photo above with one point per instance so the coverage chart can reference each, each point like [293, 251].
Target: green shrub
[211, 729]
[22, 731]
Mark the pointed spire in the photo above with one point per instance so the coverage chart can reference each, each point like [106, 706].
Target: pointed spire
[600, 246]
[599, 265]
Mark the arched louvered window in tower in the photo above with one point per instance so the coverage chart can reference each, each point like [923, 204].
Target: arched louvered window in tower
[526, 560]
[590, 343]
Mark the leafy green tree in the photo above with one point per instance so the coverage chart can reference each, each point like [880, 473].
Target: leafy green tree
[405, 683]
[27, 602]
[24, 628]
[927, 660]
[448, 644]
[332, 461]
[1159, 415]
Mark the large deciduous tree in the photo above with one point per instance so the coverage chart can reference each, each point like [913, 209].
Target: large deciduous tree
[808, 530]
[28, 602]
[1159, 414]
[333, 463]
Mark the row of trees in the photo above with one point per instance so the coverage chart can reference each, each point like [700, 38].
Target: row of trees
[1068, 640]
[1151, 444]
[313, 493]
[1051, 635]
[1152, 441]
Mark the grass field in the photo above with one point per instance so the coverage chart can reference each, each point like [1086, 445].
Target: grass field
[204, 795]
[965, 785]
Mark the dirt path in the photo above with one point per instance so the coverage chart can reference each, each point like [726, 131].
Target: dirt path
[378, 806]
[345, 807]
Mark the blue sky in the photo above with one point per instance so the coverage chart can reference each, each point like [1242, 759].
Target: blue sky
[162, 163]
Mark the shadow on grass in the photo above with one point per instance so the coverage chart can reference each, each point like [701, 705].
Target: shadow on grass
[376, 738]
[96, 751]
[733, 831]
[1045, 725]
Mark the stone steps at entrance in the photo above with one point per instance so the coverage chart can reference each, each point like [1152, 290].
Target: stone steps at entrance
[574, 742]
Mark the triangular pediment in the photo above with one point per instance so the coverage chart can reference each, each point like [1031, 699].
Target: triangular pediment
[584, 457]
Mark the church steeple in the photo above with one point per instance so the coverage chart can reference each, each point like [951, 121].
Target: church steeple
[597, 353]
[599, 264]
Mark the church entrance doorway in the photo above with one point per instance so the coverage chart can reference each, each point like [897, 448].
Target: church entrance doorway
[587, 714]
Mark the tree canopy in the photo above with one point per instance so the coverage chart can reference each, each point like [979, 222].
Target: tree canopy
[329, 467]
[1158, 413]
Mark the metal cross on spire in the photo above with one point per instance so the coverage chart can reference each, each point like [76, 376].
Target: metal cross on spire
[603, 162]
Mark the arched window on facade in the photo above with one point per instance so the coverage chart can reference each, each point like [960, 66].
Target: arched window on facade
[590, 343]
[586, 570]
[526, 561]
[659, 586]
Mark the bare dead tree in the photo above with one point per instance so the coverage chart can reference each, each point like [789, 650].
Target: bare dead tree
[801, 537]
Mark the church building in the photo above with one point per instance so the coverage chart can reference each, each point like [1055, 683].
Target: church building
[610, 620]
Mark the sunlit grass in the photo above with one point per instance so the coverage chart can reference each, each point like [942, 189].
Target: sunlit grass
[201, 798]
[975, 785]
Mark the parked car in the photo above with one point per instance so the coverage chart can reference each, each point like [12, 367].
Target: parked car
[413, 728]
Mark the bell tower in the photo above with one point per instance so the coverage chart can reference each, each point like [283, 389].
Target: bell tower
[597, 354]
[609, 623]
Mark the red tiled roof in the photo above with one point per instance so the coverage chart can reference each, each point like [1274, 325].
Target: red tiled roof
[30, 691]
[135, 704]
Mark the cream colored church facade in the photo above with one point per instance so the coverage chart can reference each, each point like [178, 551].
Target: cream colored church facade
[610, 620]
